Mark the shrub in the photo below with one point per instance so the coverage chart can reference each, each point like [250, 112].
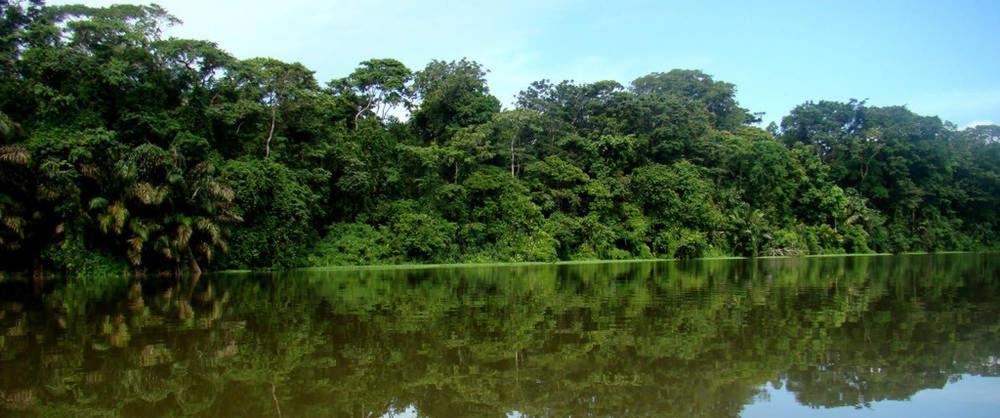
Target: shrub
[349, 244]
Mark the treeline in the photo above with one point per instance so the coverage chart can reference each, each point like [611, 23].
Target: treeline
[120, 147]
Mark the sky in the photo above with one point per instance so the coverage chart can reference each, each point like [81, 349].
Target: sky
[969, 397]
[935, 57]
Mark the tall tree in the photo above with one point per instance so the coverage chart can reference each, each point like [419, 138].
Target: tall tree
[379, 85]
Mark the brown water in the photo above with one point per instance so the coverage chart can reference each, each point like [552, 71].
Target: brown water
[851, 336]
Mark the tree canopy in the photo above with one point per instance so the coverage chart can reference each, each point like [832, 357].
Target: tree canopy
[121, 147]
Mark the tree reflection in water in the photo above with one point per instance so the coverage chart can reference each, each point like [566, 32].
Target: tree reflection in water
[699, 338]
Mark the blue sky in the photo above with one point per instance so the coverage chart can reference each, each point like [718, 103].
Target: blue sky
[938, 58]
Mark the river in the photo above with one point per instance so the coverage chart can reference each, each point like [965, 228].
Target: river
[909, 335]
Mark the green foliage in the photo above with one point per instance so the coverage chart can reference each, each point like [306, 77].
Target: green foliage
[376, 86]
[678, 195]
[420, 236]
[278, 210]
[473, 341]
[681, 243]
[165, 152]
[787, 242]
[452, 95]
[77, 262]
[716, 96]
[349, 244]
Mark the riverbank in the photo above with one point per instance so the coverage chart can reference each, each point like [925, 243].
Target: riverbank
[413, 266]
[90, 275]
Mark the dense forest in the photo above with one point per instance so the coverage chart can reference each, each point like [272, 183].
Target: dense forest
[121, 148]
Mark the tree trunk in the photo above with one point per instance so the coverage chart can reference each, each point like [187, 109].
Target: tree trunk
[364, 109]
[270, 134]
[38, 273]
[274, 398]
[193, 264]
[512, 158]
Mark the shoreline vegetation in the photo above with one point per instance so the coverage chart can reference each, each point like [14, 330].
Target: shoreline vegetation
[125, 151]
[370, 267]
[578, 262]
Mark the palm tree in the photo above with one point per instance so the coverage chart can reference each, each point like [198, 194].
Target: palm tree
[36, 195]
[14, 214]
[211, 203]
[12, 158]
[178, 212]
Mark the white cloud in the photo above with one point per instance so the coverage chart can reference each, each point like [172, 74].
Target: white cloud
[976, 123]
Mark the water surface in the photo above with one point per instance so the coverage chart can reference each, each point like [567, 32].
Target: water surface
[840, 336]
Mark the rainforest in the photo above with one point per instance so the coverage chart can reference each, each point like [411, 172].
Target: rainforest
[125, 150]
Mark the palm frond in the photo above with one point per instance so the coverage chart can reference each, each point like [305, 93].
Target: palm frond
[162, 245]
[14, 154]
[149, 194]
[184, 233]
[221, 191]
[207, 251]
[7, 126]
[90, 171]
[46, 192]
[98, 203]
[112, 221]
[203, 168]
[142, 229]
[135, 250]
[15, 224]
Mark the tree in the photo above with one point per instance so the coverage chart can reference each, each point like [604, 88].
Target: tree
[279, 213]
[177, 208]
[119, 147]
[717, 97]
[265, 85]
[451, 95]
[13, 223]
[379, 85]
